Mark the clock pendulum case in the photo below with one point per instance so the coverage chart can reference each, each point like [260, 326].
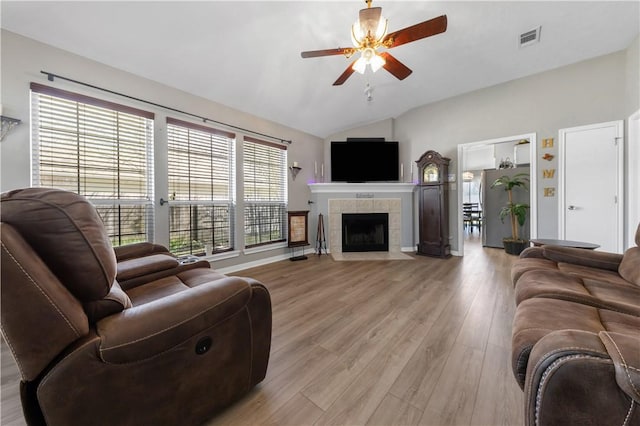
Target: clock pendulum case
[433, 208]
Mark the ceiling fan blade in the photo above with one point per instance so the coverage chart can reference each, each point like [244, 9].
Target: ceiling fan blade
[325, 52]
[395, 67]
[345, 75]
[418, 31]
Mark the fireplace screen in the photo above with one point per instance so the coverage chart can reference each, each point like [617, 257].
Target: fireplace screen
[365, 232]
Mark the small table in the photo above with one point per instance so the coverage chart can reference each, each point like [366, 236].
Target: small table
[564, 243]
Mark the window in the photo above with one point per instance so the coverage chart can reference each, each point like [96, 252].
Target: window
[265, 192]
[98, 149]
[201, 176]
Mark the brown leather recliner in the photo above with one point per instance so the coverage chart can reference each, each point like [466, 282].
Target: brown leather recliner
[173, 346]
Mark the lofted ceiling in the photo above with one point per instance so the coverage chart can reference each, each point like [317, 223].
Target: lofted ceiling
[246, 54]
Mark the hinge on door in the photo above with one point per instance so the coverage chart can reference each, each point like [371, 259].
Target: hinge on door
[615, 140]
[615, 199]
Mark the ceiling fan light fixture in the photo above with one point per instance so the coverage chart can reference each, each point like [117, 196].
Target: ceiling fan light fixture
[381, 30]
[376, 62]
[370, 25]
[360, 65]
[356, 34]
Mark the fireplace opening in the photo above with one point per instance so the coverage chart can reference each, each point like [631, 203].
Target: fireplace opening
[365, 232]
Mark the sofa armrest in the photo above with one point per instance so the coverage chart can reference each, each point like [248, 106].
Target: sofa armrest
[145, 265]
[532, 253]
[582, 257]
[571, 368]
[134, 250]
[144, 331]
[623, 350]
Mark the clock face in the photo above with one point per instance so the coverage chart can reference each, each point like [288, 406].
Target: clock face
[431, 173]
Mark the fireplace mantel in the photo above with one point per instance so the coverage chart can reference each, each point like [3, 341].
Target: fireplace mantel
[345, 187]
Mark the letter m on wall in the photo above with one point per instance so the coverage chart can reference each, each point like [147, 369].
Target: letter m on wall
[548, 173]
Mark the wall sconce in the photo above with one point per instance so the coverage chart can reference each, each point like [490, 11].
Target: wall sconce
[295, 169]
[8, 123]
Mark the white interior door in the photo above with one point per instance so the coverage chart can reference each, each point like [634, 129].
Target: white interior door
[590, 190]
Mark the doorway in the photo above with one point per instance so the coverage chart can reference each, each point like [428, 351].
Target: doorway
[490, 145]
[591, 185]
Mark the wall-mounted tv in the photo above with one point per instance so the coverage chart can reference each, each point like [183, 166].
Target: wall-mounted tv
[364, 160]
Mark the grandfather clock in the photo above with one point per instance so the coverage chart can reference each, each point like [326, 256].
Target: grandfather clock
[433, 210]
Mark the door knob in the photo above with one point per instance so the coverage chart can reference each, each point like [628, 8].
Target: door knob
[572, 207]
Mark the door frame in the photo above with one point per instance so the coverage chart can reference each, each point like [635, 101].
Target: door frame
[562, 202]
[633, 173]
[533, 183]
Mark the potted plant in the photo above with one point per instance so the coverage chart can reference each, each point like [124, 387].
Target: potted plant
[517, 212]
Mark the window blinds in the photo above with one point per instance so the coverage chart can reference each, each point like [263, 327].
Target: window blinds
[265, 191]
[98, 149]
[201, 188]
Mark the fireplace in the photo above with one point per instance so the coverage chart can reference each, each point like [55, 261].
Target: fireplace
[365, 232]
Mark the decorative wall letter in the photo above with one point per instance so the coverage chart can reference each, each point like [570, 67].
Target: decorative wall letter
[548, 173]
[549, 192]
[547, 143]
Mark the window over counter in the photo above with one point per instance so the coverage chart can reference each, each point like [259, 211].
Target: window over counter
[201, 191]
[265, 192]
[101, 150]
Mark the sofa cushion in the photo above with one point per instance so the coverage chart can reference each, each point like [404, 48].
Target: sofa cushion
[560, 285]
[539, 317]
[523, 265]
[172, 310]
[65, 230]
[630, 266]
[592, 273]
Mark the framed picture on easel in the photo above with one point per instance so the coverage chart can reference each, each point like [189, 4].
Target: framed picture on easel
[298, 222]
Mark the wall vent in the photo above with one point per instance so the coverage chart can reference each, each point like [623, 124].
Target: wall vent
[530, 37]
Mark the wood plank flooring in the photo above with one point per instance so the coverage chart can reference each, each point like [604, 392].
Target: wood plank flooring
[394, 342]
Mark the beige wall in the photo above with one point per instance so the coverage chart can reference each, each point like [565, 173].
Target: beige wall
[22, 61]
[588, 92]
[601, 89]
[378, 129]
[632, 77]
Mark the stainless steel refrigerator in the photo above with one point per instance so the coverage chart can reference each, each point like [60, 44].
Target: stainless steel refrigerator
[492, 200]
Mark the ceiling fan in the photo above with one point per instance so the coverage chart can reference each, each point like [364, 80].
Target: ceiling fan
[369, 33]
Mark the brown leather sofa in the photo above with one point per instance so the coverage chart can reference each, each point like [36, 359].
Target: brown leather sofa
[576, 335]
[164, 343]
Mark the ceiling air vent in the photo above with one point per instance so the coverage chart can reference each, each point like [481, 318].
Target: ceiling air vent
[530, 37]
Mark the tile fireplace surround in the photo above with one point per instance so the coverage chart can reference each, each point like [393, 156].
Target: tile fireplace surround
[372, 205]
[334, 199]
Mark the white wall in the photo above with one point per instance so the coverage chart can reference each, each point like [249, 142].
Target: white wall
[22, 61]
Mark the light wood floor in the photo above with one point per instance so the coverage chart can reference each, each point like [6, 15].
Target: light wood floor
[424, 341]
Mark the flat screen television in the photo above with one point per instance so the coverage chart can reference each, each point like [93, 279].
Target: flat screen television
[364, 160]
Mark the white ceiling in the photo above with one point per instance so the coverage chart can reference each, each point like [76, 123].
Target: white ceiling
[247, 54]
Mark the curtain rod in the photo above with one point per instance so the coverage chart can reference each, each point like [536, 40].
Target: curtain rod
[51, 76]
